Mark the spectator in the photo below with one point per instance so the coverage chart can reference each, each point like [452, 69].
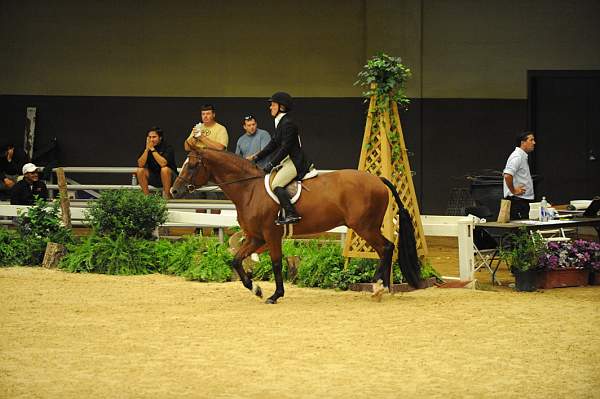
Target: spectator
[253, 141]
[208, 133]
[25, 191]
[156, 164]
[11, 163]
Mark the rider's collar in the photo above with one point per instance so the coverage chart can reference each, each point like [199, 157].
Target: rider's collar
[278, 118]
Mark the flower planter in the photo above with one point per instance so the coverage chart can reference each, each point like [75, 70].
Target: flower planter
[563, 278]
[595, 278]
[526, 281]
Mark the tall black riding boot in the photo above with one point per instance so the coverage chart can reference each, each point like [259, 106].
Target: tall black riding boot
[290, 216]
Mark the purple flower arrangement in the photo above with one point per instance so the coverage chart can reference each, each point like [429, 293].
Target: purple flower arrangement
[578, 254]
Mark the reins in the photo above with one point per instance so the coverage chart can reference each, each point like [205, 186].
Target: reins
[191, 186]
[233, 182]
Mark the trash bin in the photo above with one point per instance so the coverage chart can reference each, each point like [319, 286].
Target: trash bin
[487, 190]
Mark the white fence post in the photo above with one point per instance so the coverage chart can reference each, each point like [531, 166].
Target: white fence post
[465, 249]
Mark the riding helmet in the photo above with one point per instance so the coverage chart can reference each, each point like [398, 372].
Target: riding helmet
[282, 98]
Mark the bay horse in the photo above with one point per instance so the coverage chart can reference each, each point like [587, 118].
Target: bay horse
[353, 198]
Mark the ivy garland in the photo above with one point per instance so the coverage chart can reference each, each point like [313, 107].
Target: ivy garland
[385, 77]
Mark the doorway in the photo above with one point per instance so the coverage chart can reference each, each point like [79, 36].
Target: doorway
[564, 114]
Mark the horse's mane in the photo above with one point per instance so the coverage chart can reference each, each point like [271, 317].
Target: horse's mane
[235, 160]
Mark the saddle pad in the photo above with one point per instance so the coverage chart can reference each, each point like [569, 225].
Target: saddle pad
[293, 189]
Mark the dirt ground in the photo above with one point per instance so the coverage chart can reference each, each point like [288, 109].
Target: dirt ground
[82, 335]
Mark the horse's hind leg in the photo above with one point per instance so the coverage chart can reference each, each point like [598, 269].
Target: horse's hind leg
[247, 248]
[385, 250]
[384, 271]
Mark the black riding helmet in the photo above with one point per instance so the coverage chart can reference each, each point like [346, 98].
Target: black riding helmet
[282, 98]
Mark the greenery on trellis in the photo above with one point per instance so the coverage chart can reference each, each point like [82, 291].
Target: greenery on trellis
[385, 77]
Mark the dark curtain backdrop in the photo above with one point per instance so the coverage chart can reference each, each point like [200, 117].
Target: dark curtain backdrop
[447, 138]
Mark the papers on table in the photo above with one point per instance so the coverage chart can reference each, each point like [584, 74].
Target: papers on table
[538, 223]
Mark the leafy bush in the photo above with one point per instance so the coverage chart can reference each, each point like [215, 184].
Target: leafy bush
[13, 249]
[263, 270]
[127, 212]
[42, 221]
[195, 258]
[213, 264]
[108, 255]
[320, 265]
[389, 74]
[427, 271]
[36, 226]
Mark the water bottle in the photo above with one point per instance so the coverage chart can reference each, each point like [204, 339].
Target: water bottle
[544, 210]
[134, 180]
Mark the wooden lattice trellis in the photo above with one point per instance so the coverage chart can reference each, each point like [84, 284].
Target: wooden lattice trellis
[376, 158]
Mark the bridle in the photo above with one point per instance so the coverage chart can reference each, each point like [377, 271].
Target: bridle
[190, 186]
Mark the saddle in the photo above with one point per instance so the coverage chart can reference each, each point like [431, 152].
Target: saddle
[294, 188]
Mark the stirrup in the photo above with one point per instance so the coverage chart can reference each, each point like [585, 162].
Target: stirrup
[288, 220]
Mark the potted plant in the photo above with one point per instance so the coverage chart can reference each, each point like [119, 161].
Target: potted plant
[594, 263]
[522, 254]
[568, 264]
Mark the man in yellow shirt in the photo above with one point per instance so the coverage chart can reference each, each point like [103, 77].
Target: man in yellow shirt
[207, 134]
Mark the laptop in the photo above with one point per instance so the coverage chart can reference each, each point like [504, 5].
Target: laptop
[592, 209]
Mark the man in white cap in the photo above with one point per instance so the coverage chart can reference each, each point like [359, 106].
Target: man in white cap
[25, 191]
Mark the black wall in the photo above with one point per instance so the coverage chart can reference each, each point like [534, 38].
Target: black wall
[449, 138]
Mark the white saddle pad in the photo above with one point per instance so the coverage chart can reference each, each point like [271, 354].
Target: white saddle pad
[312, 173]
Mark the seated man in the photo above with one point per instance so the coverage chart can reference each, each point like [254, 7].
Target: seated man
[156, 164]
[24, 192]
[207, 134]
[10, 167]
[253, 141]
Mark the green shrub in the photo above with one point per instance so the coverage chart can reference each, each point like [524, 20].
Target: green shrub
[320, 264]
[427, 270]
[163, 252]
[13, 249]
[127, 212]
[184, 253]
[43, 221]
[107, 255]
[195, 257]
[263, 270]
[37, 225]
[212, 264]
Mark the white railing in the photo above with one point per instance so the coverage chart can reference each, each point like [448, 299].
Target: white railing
[444, 226]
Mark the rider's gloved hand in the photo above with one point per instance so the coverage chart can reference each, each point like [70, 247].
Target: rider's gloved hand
[268, 167]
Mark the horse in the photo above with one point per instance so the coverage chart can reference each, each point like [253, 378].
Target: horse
[348, 197]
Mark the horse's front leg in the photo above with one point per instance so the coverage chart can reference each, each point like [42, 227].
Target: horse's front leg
[247, 248]
[275, 252]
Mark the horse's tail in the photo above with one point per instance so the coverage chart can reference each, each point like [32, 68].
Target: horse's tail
[407, 245]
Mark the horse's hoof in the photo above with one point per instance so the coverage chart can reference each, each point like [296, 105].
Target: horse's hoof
[271, 301]
[378, 291]
[256, 290]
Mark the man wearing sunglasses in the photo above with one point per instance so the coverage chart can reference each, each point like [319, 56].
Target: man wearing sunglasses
[253, 141]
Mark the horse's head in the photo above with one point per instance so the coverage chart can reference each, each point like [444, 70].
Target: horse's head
[194, 174]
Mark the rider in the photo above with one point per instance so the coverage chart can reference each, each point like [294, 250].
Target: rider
[286, 153]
